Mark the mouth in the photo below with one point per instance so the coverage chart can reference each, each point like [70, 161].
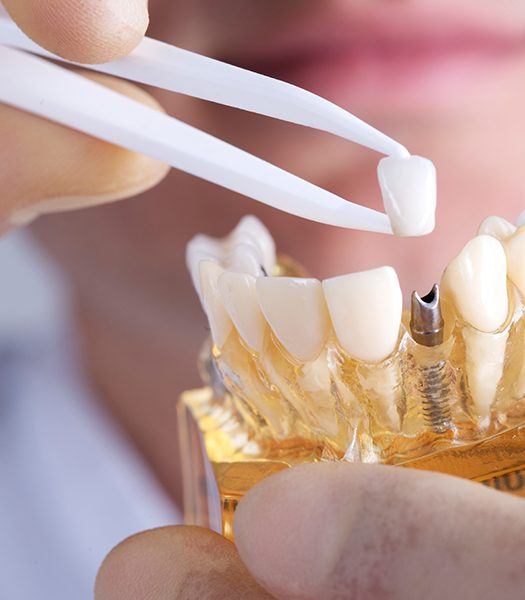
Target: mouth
[395, 56]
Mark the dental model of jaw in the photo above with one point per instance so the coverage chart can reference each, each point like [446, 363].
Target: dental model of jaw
[337, 366]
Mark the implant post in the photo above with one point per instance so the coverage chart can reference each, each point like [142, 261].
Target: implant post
[426, 320]
[433, 381]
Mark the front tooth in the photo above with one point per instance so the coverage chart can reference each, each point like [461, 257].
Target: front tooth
[296, 311]
[477, 281]
[244, 258]
[515, 250]
[366, 312]
[497, 227]
[220, 322]
[408, 187]
[237, 292]
[250, 227]
[201, 247]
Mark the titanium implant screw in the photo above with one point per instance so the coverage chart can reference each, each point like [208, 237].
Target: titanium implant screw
[426, 326]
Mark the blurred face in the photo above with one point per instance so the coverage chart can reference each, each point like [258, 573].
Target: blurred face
[444, 78]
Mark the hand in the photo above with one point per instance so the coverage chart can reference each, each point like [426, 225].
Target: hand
[337, 531]
[45, 167]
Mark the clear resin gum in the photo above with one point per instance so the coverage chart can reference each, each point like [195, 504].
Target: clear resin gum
[423, 407]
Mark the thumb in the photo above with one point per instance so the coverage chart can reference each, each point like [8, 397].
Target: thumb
[86, 31]
[187, 563]
[348, 531]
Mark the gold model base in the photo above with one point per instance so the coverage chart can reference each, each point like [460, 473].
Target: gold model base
[223, 458]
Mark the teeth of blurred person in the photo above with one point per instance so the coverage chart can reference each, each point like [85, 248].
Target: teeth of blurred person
[515, 250]
[245, 258]
[250, 228]
[477, 280]
[366, 312]
[199, 248]
[296, 311]
[497, 227]
[238, 295]
[220, 322]
[408, 187]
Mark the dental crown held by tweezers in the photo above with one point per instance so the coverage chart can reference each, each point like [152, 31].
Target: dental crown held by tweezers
[408, 183]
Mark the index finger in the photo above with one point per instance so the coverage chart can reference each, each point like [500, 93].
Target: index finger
[84, 31]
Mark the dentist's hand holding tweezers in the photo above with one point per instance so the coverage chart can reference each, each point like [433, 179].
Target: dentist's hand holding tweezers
[48, 90]
[66, 168]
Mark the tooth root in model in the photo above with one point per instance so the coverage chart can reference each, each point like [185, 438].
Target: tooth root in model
[238, 296]
[218, 318]
[477, 282]
[296, 312]
[365, 309]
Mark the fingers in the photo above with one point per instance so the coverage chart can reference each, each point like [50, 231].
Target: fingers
[46, 168]
[175, 562]
[86, 31]
[347, 531]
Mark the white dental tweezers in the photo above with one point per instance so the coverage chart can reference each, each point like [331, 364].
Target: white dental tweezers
[45, 89]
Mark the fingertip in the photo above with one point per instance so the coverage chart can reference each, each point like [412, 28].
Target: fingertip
[175, 562]
[139, 564]
[89, 31]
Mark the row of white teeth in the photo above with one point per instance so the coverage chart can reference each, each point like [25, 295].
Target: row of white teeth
[233, 278]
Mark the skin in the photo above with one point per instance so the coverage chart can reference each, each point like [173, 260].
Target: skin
[384, 533]
[341, 531]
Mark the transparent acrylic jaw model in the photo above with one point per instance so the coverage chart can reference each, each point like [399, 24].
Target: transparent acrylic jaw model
[457, 408]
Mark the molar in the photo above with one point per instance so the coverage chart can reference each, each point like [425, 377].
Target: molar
[245, 258]
[296, 311]
[251, 230]
[497, 227]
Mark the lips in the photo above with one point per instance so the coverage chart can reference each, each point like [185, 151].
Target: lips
[388, 56]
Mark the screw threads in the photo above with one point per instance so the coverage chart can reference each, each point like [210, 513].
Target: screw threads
[434, 388]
